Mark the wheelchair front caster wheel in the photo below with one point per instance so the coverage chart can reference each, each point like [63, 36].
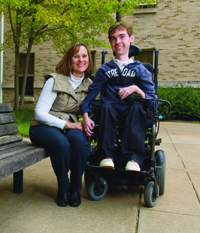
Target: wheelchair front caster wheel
[93, 191]
[150, 198]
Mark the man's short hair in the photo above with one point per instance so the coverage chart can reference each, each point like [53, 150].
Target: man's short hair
[120, 26]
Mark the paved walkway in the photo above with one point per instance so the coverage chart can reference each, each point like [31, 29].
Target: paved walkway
[178, 210]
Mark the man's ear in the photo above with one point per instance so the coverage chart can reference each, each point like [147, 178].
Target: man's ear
[132, 38]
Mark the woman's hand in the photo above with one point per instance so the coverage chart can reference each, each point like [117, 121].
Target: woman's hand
[76, 125]
[88, 124]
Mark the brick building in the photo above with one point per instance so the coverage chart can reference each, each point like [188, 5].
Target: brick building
[171, 26]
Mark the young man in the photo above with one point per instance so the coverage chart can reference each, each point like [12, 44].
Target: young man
[113, 95]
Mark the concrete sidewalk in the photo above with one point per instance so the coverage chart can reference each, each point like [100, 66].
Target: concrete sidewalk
[178, 210]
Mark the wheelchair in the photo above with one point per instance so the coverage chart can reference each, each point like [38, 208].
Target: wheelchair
[152, 174]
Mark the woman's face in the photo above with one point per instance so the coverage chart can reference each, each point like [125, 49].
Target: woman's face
[80, 62]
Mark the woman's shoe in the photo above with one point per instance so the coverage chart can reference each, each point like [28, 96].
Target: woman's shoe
[62, 199]
[74, 198]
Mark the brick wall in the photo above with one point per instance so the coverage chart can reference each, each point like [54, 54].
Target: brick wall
[174, 30]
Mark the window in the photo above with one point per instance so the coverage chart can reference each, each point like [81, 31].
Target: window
[147, 55]
[30, 78]
[143, 5]
[144, 8]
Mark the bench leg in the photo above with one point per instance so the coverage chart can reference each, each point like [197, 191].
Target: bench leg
[18, 182]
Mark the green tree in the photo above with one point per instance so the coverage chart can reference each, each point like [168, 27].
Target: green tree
[64, 22]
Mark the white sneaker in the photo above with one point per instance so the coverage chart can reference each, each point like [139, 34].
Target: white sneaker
[132, 166]
[107, 163]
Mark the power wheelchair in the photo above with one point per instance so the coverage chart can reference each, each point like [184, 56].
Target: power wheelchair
[152, 174]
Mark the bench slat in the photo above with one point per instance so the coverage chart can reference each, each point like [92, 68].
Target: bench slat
[11, 147]
[22, 160]
[14, 151]
[10, 139]
[6, 118]
[8, 129]
[6, 107]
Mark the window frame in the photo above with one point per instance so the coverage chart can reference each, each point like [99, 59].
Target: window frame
[144, 8]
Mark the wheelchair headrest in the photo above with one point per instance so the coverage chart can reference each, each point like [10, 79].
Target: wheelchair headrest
[134, 50]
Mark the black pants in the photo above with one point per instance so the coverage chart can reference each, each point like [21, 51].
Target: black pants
[132, 135]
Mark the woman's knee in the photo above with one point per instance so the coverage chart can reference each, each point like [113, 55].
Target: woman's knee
[76, 137]
[78, 141]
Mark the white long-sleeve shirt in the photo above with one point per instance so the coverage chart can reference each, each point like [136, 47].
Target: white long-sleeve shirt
[46, 100]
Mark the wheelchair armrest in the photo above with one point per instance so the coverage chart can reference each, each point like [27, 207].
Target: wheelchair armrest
[162, 102]
[96, 103]
[158, 114]
[95, 106]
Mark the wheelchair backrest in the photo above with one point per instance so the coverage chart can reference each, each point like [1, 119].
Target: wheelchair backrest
[135, 51]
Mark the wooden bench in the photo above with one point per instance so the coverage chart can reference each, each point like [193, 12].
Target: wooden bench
[15, 154]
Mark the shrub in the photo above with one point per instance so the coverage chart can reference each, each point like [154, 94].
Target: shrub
[185, 102]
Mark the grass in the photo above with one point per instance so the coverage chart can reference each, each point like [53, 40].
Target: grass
[23, 118]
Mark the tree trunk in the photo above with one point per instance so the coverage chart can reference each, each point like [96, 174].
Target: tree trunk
[16, 38]
[118, 15]
[16, 104]
[25, 74]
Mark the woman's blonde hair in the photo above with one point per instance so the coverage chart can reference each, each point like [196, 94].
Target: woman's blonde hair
[65, 65]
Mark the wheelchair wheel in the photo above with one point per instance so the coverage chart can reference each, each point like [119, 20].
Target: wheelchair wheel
[93, 192]
[150, 198]
[160, 174]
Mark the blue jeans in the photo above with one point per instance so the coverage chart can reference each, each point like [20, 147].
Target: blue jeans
[67, 151]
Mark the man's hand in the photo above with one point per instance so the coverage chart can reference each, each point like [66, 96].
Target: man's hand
[88, 124]
[126, 91]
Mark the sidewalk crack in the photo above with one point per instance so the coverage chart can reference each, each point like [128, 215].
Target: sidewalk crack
[138, 209]
[186, 170]
[198, 197]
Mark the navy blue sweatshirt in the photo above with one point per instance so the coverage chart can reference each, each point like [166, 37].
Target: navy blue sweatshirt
[109, 94]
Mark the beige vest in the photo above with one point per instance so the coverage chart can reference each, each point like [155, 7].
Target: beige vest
[67, 103]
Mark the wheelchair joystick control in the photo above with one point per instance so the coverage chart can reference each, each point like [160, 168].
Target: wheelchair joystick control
[131, 98]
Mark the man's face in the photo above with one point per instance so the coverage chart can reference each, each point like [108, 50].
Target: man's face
[120, 43]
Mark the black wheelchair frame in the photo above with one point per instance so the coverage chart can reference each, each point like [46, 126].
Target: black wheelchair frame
[152, 174]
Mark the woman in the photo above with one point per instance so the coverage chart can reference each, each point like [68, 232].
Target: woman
[55, 125]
